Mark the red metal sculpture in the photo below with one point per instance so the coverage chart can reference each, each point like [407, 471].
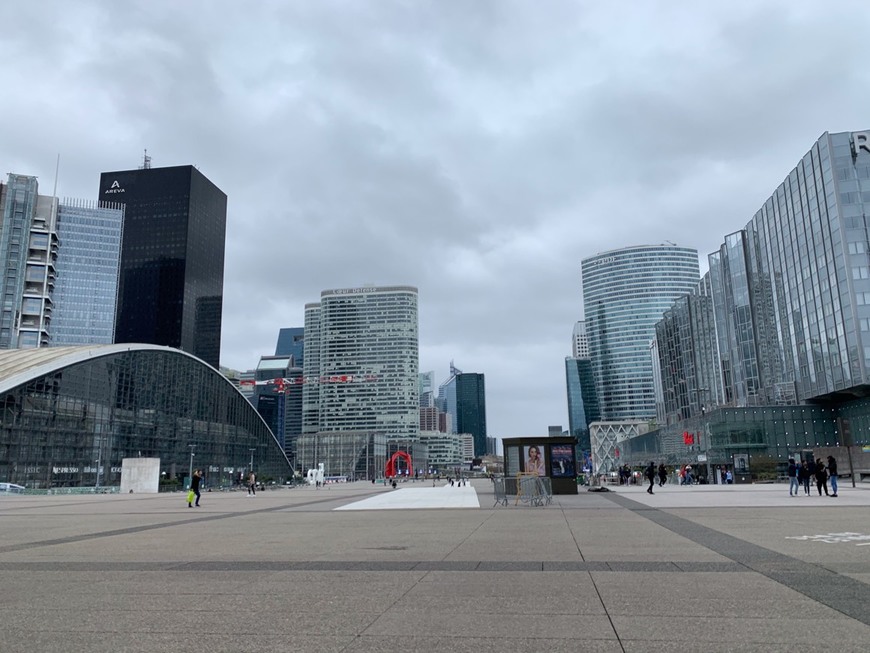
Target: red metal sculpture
[392, 470]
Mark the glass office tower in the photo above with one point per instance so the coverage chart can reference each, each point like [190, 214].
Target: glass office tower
[86, 291]
[582, 401]
[471, 409]
[625, 292]
[172, 258]
[791, 290]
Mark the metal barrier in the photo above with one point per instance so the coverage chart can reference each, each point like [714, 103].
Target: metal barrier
[534, 490]
[529, 489]
[500, 493]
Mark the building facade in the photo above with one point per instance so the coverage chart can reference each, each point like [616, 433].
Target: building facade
[172, 258]
[28, 253]
[72, 414]
[291, 342]
[60, 268]
[625, 292]
[89, 256]
[362, 346]
[580, 341]
[462, 398]
[786, 313]
[583, 406]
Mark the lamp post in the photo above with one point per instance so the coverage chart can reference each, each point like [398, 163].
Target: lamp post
[190, 469]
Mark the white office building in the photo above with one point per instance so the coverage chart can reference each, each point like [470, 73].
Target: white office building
[362, 361]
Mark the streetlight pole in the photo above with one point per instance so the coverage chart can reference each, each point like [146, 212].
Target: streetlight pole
[190, 469]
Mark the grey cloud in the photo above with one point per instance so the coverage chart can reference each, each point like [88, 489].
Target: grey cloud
[476, 150]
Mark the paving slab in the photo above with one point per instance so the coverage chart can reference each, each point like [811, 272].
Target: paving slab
[288, 569]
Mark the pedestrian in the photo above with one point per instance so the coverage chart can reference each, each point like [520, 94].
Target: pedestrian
[682, 474]
[792, 478]
[690, 480]
[663, 475]
[821, 477]
[729, 477]
[832, 473]
[722, 474]
[651, 476]
[252, 484]
[195, 481]
[804, 477]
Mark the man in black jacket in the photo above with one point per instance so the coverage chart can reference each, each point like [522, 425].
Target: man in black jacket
[651, 476]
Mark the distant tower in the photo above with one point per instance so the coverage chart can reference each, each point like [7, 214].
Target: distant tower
[579, 341]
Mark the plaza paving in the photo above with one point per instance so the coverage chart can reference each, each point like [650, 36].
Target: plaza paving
[359, 567]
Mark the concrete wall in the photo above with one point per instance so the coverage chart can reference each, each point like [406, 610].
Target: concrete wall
[140, 475]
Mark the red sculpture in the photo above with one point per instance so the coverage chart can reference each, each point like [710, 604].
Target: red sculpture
[391, 470]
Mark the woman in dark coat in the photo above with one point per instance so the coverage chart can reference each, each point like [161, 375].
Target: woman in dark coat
[663, 475]
[821, 477]
[804, 477]
[832, 472]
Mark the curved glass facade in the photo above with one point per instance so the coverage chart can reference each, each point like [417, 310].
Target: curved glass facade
[625, 292]
[72, 422]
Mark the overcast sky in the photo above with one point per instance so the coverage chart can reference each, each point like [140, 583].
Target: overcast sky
[476, 149]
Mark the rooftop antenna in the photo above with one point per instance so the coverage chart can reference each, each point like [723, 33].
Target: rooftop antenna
[146, 161]
[56, 169]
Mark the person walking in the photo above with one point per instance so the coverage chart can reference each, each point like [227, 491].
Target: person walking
[821, 477]
[804, 477]
[195, 481]
[792, 478]
[832, 473]
[252, 484]
[651, 476]
[663, 475]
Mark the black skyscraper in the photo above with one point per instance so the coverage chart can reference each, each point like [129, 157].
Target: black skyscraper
[170, 290]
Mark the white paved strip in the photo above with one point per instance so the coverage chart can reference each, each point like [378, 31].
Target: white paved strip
[415, 498]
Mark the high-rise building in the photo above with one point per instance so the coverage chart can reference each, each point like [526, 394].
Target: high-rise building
[580, 341]
[625, 292]
[785, 308]
[463, 398]
[172, 258]
[291, 342]
[60, 268]
[362, 345]
[583, 406]
[89, 254]
[277, 396]
[427, 390]
[28, 254]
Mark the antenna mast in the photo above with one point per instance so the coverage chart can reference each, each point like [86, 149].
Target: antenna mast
[146, 161]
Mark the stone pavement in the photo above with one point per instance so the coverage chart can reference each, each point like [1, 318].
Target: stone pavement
[742, 568]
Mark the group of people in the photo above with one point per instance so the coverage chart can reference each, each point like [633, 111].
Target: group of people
[652, 472]
[196, 485]
[800, 475]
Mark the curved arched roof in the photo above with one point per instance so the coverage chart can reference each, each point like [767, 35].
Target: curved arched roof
[18, 366]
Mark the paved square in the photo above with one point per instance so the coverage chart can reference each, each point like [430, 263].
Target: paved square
[357, 567]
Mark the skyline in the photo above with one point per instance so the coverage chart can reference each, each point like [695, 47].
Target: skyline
[478, 153]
